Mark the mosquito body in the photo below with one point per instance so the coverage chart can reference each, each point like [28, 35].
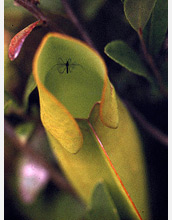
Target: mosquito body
[67, 66]
[63, 66]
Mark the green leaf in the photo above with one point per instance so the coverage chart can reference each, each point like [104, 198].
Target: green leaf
[88, 147]
[121, 53]
[90, 165]
[64, 78]
[24, 131]
[69, 87]
[158, 26]
[10, 104]
[31, 85]
[102, 205]
[124, 165]
[91, 8]
[138, 12]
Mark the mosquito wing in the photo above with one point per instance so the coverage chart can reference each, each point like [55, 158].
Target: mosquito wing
[57, 67]
[61, 62]
[67, 66]
[60, 66]
[73, 66]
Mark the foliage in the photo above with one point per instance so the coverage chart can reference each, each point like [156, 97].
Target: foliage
[126, 57]
[89, 133]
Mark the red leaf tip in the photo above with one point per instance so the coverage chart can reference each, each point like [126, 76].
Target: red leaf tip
[18, 40]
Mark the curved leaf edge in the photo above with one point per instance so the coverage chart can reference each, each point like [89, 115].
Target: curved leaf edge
[53, 98]
[50, 95]
[130, 22]
[146, 76]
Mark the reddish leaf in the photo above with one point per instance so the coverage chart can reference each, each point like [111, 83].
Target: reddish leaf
[18, 40]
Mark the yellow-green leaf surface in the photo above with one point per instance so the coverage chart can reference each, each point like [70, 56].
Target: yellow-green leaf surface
[89, 129]
[63, 88]
[102, 206]
[123, 148]
[138, 12]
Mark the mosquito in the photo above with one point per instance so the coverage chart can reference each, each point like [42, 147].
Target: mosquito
[63, 66]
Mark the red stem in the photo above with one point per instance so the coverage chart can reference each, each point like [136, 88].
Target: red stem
[36, 12]
[151, 63]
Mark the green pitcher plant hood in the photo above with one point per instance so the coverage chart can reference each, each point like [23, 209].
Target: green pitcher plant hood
[64, 87]
[90, 131]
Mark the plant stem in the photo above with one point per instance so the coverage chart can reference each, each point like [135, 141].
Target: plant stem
[155, 132]
[151, 63]
[77, 24]
[26, 149]
[32, 7]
